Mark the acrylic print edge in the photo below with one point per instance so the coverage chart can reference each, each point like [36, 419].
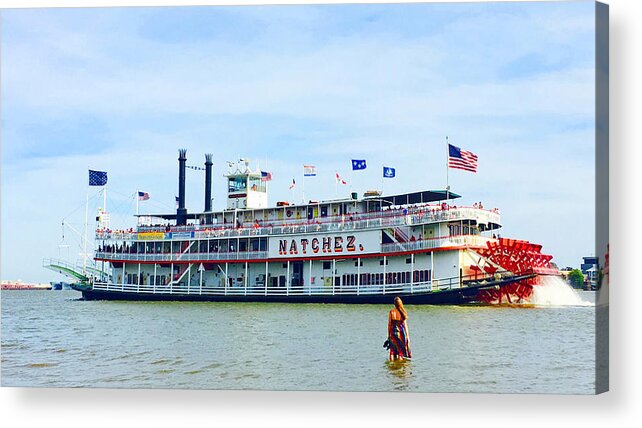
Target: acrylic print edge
[602, 196]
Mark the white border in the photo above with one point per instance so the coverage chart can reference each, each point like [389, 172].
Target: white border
[620, 407]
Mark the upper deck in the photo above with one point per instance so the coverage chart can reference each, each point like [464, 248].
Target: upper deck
[255, 226]
[366, 226]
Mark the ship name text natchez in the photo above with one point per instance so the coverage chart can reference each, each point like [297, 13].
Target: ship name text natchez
[352, 250]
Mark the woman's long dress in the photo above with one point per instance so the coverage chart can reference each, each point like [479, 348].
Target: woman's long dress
[398, 337]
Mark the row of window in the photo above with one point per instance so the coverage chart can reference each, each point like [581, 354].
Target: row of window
[199, 246]
[392, 278]
[465, 228]
[135, 279]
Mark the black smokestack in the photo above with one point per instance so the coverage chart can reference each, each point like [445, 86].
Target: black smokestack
[208, 182]
[181, 212]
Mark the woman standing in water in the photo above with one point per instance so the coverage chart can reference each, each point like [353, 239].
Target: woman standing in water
[398, 332]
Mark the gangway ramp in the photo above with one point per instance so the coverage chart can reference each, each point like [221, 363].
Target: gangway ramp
[65, 268]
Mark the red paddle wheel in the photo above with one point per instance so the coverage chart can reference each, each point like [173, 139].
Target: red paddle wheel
[519, 258]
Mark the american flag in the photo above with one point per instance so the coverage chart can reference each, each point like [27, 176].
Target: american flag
[461, 159]
[293, 185]
[266, 176]
[143, 196]
[340, 180]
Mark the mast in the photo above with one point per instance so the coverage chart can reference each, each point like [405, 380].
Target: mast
[303, 188]
[447, 168]
[84, 252]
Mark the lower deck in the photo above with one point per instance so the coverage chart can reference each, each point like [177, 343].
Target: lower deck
[453, 291]
[362, 278]
[284, 276]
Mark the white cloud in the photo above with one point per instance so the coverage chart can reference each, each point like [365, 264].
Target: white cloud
[386, 96]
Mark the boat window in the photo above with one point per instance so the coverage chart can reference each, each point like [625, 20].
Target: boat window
[236, 184]
[254, 244]
[257, 185]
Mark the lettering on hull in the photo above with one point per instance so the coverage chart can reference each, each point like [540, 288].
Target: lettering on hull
[324, 245]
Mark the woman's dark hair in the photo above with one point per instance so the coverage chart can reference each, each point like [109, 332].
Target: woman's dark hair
[400, 308]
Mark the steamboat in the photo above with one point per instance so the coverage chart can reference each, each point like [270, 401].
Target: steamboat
[419, 246]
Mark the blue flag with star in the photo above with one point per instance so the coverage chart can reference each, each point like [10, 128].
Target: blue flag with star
[97, 178]
[358, 164]
[388, 172]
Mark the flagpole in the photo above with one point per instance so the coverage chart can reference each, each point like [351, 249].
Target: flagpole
[137, 199]
[382, 178]
[351, 178]
[84, 255]
[291, 192]
[447, 168]
[303, 186]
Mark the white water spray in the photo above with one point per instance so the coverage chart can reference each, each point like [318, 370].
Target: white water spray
[554, 291]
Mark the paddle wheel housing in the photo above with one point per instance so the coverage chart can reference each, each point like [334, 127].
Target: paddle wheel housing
[519, 258]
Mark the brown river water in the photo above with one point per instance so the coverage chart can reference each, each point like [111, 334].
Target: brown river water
[55, 339]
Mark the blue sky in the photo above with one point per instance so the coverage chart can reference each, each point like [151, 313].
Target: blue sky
[122, 89]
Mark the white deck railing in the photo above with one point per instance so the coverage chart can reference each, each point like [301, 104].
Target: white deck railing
[445, 242]
[262, 290]
[192, 257]
[345, 224]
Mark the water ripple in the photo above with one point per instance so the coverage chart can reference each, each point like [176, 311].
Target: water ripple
[46, 337]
